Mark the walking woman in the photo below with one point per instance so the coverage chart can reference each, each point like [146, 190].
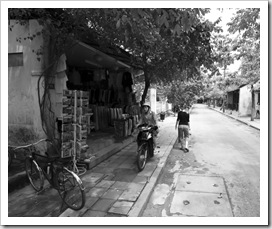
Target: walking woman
[183, 124]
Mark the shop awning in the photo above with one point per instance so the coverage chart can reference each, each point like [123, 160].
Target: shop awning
[84, 55]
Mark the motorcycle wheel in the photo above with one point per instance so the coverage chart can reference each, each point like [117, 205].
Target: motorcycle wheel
[151, 147]
[142, 156]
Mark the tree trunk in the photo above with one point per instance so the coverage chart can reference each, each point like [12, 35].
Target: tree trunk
[252, 104]
[147, 85]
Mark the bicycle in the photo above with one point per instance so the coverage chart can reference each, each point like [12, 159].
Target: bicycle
[12, 154]
[54, 169]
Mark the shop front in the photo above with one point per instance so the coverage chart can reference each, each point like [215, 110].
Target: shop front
[111, 109]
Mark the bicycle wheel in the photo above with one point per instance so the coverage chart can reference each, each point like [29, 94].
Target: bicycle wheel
[142, 156]
[71, 189]
[34, 174]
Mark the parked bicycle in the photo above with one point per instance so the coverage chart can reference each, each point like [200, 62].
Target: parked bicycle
[145, 145]
[14, 151]
[55, 170]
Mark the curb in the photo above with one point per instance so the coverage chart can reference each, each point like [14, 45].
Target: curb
[235, 119]
[142, 201]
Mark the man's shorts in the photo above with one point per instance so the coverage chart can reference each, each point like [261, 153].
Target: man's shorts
[183, 132]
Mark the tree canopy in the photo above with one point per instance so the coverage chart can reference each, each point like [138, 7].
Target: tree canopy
[167, 43]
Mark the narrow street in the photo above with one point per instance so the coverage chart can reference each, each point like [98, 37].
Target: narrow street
[224, 163]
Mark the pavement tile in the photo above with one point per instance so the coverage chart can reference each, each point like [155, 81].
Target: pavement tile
[96, 192]
[121, 207]
[133, 192]
[92, 178]
[200, 184]
[109, 176]
[120, 185]
[88, 186]
[112, 194]
[124, 175]
[148, 170]
[140, 179]
[128, 164]
[200, 204]
[105, 184]
[102, 205]
[72, 213]
[91, 213]
[103, 169]
[90, 201]
[114, 215]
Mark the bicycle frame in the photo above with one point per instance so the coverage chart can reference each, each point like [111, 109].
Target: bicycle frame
[51, 165]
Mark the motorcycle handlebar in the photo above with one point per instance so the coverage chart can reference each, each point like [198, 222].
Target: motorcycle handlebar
[151, 126]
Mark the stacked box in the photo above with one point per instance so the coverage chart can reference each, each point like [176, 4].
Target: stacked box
[83, 111]
[82, 94]
[67, 134]
[121, 128]
[66, 149]
[68, 93]
[82, 102]
[82, 120]
[82, 117]
[75, 124]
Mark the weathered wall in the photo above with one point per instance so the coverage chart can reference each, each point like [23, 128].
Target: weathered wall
[245, 101]
[163, 106]
[153, 99]
[23, 108]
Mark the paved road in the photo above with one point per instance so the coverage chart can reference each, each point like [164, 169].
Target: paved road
[220, 147]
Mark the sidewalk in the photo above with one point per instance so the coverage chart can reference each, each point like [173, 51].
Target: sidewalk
[101, 149]
[234, 114]
[113, 188]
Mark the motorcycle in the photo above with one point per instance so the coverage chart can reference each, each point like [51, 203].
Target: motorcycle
[145, 144]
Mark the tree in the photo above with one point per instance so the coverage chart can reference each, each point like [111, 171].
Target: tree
[247, 24]
[165, 42]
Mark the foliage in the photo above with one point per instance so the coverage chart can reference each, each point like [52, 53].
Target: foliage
[247, 45]
[165, 42]
[243, 46]
[184, 92]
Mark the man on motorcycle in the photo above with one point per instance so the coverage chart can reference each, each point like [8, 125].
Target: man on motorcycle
[149, 117]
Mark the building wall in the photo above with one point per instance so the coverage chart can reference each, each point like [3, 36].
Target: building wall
[163, 106]
[245, 101]
[153, 99]
[23, 108]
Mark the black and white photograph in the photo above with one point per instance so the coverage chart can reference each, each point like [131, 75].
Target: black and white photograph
[134, 113]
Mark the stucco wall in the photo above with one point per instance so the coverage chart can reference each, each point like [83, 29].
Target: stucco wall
[23, 108]
[245, 101]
